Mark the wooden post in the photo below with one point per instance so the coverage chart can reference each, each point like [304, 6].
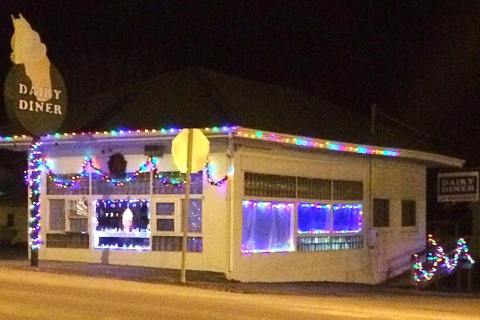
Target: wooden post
[186, 211]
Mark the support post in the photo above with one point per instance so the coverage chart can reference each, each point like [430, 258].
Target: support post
[186, 211]
[34, 176]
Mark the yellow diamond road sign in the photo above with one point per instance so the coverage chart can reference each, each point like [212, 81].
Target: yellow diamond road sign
[200, 150]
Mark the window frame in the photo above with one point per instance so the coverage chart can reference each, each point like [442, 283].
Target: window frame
[178, 200]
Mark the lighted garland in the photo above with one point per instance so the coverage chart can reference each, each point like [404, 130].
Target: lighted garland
[149, 165]
[439, 261]
[33, 179]
[211, 180]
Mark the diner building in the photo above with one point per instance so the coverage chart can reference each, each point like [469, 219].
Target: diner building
[268, 206]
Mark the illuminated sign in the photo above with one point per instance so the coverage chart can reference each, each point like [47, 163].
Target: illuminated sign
[35, 93]
[458, 186]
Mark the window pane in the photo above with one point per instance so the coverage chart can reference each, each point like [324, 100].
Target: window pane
[81, 186]
[408, 213]
[381, 212]
[57, 215]
[314, 189]
[165, 208]
[347, 190]
[165, 225]
[79, 225]
[313, 218]
[267, 227]
[78, 208]
[326, 243]
[195, 216]
[172, 183]
[347, 218]
[139, 184]
[268, 185]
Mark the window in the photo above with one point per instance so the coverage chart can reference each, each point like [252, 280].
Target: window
[276, 186]
[122, 224]
[319, 226]
[268, 185]
[195, 216]
[165, 212]
[381, 212]
[326, 243]
[313, 218]
[347, 190]
[314, 188]
[347, 218]
[168, 216]
[408, 213]
[78, 215]
[10, 220]
[57, 215]
[267, 226]
[80, 187]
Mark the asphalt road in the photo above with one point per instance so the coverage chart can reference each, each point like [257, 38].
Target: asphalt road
[37, 295]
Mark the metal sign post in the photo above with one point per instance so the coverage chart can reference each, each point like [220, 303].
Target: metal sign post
[183, 274]
[188, 160]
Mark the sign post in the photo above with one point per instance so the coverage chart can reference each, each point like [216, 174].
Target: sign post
[36, 100]
[188, 160]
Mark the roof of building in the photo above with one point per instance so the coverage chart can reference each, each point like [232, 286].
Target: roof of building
[197, 97]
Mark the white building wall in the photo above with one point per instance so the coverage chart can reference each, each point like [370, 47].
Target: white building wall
[395, 180]
[214, 208]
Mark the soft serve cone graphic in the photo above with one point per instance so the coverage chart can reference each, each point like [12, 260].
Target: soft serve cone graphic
[28, 49]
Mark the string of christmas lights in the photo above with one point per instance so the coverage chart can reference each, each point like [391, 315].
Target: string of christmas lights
[236, 130]
[211, 180]
[33, 179]
[149, 165]
[437, 261]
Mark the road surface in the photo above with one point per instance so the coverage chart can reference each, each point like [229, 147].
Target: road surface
[36, 295]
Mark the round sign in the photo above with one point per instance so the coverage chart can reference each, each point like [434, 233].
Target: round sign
[200, 150]
[38, 109]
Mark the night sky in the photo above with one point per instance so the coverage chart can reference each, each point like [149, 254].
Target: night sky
[417, 60]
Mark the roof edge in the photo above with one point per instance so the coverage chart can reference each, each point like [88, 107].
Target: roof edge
[22, 142]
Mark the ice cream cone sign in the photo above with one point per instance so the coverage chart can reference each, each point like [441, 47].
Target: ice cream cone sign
[35, 94]
[29, 50]
[200, 150]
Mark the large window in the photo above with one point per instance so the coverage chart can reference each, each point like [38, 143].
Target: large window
[408, 213]
[267, 226]
[122, 224]
[320, 224]
[381, 212]
[329, 213]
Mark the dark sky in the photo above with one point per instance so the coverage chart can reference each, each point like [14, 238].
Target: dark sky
[417, 60]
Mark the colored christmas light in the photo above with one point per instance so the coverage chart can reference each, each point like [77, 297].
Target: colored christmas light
[236, 130]
[211, 180]
[438, 262]
[33, 179]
